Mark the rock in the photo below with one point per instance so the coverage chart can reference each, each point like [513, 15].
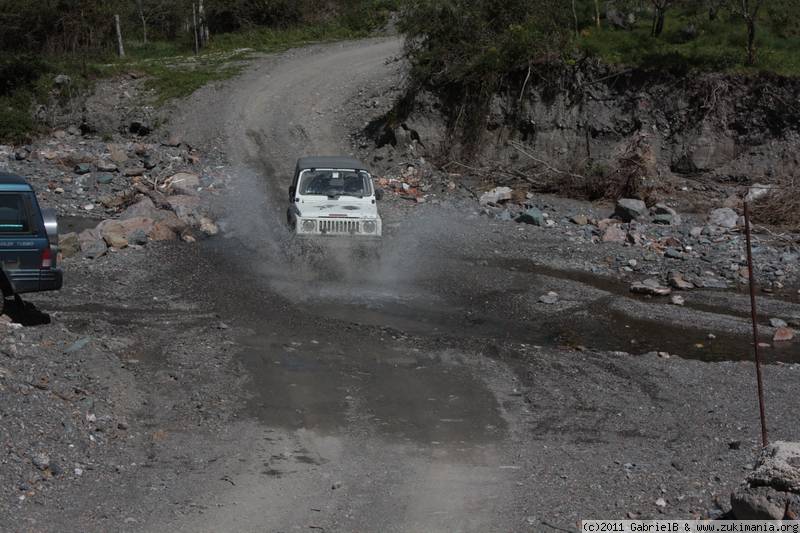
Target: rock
[532, 216]
[106, 166]
[163, 232]
[113, 234]
[504, 215]
[676, 281]
[757, 503]
[117, 154]
[140, 127]
[172, 141]
[629, 209]
[550, 298]
[724, 217]
[83, 168]
[208, 226]
[672, 253]
[777, 323]
[134, 171]
[783, 335]
[56, 469]
[138, 237]
[757, 191]
[496, 196]
[661, 502]
[778, 467]
[714, 283]
[615, 17]
[186, 207]
[150, 162]
[68, 244]
[185, 183]
[614, 233]
[665, 215]
[677, 299]
[104, 179]
[696, 232]
[62, 79]
[143, 208]
[650, 287]
[41, 461]
[580, 220]
[92, 245]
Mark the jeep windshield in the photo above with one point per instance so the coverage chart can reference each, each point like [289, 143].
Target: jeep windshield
[335, 183]
[16, 214]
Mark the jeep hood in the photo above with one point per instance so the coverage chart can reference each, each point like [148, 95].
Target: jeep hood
[343, 208]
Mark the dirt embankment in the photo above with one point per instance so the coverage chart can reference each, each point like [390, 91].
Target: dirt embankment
[582, 119]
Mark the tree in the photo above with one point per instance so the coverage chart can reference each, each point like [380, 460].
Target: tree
[660, 7]
[748, 10]
[597, 13]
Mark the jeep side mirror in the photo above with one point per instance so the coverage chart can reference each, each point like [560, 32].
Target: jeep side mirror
[379, 194]
[291, 193]
[51, 225]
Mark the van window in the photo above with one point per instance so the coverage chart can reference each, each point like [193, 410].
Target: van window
[16, 214]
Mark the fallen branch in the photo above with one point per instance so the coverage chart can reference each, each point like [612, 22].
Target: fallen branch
[551, 168]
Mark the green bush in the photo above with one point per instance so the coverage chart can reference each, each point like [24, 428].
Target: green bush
[16, 120]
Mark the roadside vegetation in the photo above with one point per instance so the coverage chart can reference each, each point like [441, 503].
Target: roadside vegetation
[178, 45]
[469, 50]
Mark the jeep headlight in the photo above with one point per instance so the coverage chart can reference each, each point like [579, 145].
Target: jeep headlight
[309, 226]
[370, 226]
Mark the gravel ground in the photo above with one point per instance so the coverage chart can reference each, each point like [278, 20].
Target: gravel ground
[236, 384]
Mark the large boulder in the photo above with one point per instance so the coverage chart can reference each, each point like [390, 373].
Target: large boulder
[773, 487]
[496, 196]
[779, 467]
[724, 217]
[629, 209]
[758, 503]
[92, 244]
[185, 183]
[187, 208]
[532, 216]
[120, 233]
[664, 214]
[143, 208]
[68, 244]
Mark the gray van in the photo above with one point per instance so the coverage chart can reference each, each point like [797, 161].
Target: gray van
[28, 242]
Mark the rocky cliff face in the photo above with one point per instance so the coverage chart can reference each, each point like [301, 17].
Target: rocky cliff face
[581, 118]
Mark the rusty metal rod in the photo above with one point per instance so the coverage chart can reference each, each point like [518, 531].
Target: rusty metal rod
[761, 409]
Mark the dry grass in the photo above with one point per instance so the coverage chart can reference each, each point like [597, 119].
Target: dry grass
[631, 174]
[781, 206]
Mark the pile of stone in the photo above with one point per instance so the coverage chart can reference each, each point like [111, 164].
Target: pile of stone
[181, 215]
[772, 490]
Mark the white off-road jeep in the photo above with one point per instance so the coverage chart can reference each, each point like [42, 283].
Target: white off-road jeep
[333, 196]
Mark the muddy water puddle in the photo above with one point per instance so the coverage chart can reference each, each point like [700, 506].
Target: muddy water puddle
[592, 325]
[321, 386]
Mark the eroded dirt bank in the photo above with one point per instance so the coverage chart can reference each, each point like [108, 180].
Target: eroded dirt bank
[260, 389]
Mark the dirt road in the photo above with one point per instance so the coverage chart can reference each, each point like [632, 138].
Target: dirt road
[365, 430]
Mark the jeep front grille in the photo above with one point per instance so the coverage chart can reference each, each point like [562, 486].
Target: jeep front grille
[342, 226]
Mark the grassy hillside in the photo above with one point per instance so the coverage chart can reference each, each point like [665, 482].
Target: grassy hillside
[691, 41]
